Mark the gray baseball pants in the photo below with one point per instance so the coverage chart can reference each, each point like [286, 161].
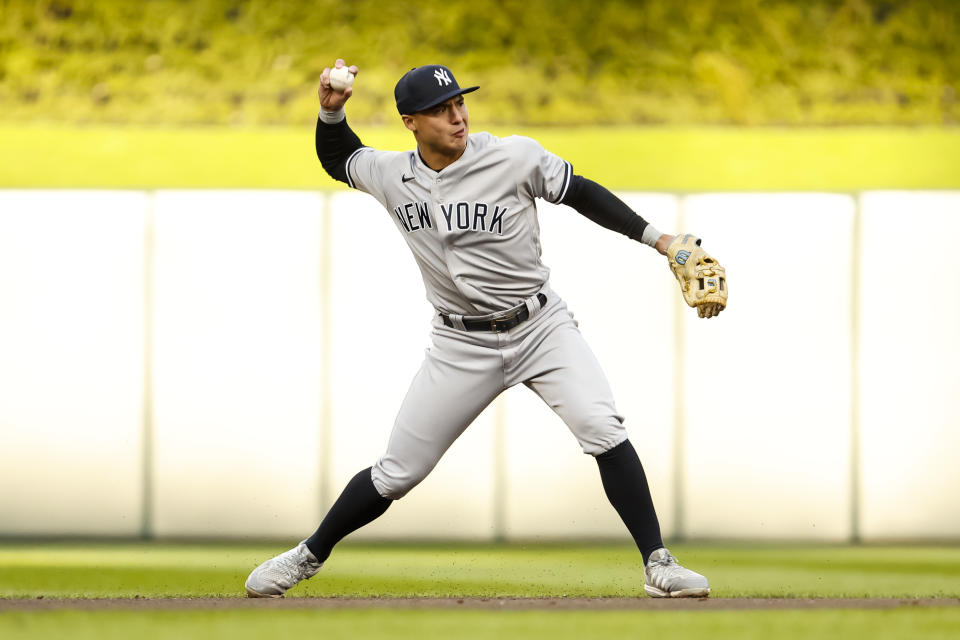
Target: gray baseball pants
[464, 371]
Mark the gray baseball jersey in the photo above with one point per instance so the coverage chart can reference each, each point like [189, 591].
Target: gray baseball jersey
[473, 226]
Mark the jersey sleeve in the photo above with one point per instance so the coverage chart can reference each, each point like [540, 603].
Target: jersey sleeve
[542, 174]
[365, 170]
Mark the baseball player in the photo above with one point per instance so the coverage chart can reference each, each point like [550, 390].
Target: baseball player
[465, 205]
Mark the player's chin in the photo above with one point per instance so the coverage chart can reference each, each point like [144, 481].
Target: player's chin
[458, 141]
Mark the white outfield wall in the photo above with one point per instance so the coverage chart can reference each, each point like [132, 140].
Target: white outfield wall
[220, 363]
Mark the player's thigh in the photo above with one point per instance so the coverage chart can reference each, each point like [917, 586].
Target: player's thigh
[569, 378]
[456, 382]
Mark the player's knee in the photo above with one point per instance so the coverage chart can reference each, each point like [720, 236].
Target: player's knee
[600, 435]
[394, 479]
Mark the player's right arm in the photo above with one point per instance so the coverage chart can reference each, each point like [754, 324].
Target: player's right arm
[335, 140]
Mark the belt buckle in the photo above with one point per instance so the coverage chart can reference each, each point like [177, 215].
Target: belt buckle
[493, 325]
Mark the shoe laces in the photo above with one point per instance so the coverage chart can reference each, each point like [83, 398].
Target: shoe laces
[294, 564]
[665, 561]
[665, 567]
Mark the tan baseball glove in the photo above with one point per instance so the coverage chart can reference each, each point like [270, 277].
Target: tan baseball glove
[703, 281]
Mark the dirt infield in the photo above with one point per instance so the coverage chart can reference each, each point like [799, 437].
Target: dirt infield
[499, 604]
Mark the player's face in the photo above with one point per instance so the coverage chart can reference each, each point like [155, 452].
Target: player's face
[441, 129]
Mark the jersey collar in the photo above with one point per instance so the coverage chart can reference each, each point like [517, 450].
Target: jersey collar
[450, 168]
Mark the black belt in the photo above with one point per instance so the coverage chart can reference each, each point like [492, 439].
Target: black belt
[503, 323]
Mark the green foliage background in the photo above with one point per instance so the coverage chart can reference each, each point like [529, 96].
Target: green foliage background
[556, 62]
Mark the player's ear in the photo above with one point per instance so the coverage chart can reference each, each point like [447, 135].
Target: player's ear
[409, 123]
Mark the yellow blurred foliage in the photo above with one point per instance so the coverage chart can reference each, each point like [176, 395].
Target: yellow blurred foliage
[553, 62]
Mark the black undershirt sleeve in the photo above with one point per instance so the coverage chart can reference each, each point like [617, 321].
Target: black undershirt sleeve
[335, 143]
[598, 204]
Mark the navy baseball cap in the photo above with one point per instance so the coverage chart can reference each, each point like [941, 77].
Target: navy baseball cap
[425, 87]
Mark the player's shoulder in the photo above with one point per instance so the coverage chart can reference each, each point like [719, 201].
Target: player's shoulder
[383, 156]
[483, 140]
[379, 158]
[522, 142]
[368, 168]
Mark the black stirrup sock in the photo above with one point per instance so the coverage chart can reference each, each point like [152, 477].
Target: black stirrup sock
[627, 489]
[359, 504]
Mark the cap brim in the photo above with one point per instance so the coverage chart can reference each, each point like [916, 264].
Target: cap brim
[444, 98]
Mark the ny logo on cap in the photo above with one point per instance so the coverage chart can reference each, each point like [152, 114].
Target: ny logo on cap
[442, 78]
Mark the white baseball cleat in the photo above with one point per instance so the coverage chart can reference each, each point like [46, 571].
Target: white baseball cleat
[272, 578]
[665, 578]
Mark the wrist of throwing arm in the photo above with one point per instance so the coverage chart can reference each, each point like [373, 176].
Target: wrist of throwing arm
[597, 203]
[332, 117]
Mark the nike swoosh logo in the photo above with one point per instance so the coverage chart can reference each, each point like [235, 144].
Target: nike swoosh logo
[404, 178]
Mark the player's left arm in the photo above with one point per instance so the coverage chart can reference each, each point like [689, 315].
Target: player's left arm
[702, 279]
[548, 176]
[597, 203]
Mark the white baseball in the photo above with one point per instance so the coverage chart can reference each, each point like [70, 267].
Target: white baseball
[340, 78]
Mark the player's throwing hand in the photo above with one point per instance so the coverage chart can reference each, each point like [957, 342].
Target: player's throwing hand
[330, 98]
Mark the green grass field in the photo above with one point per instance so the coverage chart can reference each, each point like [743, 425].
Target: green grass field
[929, 624]
[127, 570]
[666, 158]
[163, 570]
